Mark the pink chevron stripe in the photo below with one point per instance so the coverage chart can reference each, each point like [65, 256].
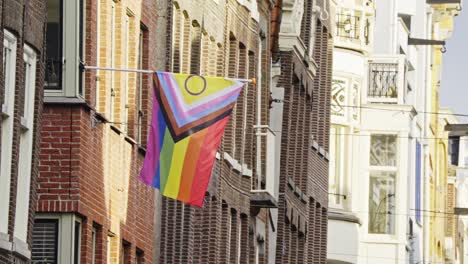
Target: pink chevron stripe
[152, 154]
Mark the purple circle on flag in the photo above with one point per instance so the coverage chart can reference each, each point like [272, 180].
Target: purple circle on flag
[195, 93]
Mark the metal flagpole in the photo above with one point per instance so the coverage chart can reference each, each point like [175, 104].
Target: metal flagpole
[149, 72]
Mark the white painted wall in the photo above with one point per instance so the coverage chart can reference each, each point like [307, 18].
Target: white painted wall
[389, 35]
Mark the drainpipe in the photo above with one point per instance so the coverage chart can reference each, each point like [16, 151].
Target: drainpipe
[258, 128]
[426, 127]
[276, 16]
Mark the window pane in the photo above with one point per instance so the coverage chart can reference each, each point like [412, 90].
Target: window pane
[335, 161]
[93, 245]
[382, 202]
[139, 256]
[44, 241]
[53, 75]
[383, 150]
[77, 243]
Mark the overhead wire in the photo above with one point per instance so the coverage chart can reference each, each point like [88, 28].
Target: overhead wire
[401, 110]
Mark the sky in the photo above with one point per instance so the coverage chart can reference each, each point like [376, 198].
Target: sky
[454, 85]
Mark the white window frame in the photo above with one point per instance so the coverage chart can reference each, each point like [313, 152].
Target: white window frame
[140, 85]
[9, 42]
[98, 52]
[387, 169]
[337, 162]
[126, 90]
[25, 146]
[66, 235]
[112, 62]
[70, 50]
[110, 237]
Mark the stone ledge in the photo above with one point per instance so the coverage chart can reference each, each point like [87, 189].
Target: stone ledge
[5, 243]
[342, 216]
[21, 248]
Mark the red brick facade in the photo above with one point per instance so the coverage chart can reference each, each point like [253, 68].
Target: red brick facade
[25, 20]
[89, 163]
[225, 229]
[228, 229]
[303, 203]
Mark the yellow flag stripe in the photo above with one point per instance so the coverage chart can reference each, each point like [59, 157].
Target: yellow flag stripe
[173, 180]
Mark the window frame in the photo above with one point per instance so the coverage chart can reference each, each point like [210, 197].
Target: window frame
[140, 85]
[338, 149]
[73, 50]
[66, 235]
[9, 40]
[384, 169]
[26, 146]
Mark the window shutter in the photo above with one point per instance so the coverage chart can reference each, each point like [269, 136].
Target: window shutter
[44, 241]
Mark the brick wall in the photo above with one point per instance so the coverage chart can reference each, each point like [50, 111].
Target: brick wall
[302, 220]
[223, 231]
[25, 19]
[89, 163]
[227, 215]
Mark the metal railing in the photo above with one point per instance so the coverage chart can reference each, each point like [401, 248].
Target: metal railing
[348, 26]
[383, 80]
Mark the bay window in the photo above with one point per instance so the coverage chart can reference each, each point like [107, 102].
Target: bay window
[382, 184]
[56, 238]
[65, 48]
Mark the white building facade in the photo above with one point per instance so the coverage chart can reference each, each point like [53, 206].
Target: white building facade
[379, 169]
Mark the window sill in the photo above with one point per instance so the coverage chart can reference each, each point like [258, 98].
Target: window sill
[24, 124]
[4, 111]
[64, 100]
[142, 150]
[127, 137]
[241, 168]
[21, 248]
[343, 216]
[5, 243]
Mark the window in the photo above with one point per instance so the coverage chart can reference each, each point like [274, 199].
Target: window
[140, 256]
[337, 158]
[125, 89]
[93, 245]
[125, 255]
[62, 76]
[109, 248]
[142, 55]
[383, 150]
[25, 145]
[56, 238]
[53, 74]
[112, 61]
[382, 177]
[8, 105]
[45, 241]
[454, 150]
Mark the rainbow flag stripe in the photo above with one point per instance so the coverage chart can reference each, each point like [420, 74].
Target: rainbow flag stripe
[189, 115]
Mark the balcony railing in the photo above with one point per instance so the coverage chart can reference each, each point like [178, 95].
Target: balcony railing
[348, 26]
[383, 80]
